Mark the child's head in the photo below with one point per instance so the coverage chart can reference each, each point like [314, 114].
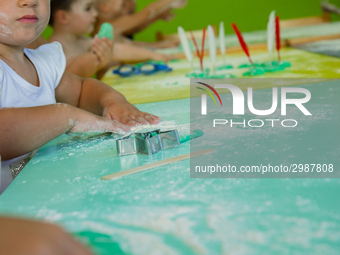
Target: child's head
[129, 7]
[22, 21]
[110, 8]
[78, 16]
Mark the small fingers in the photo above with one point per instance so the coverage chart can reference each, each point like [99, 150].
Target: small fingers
[134, 121]
[131, 123]
[108, 42]
[144, 118]
[95, 39]
[142, 121]
[99, 47]
[103, 43]
[152, 119]
[137, 120]
[97, 52]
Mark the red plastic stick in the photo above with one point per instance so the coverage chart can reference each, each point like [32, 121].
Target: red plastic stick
[195, 43]
[242, 42]
[278, 36]
[197, 49]
[202, 51]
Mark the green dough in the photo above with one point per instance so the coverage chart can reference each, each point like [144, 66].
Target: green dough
[197, 74]
[106, 30]
[141, 64]
[206, 75]
[101, 243]
[274, 66]
[270, 63]
[285, 64]
[271, 69]
[249, 65]
[191, 75]
[245, 65]
[224, 67]
[255, 71]
[267, 67]
[282, 64]
[174, 60]
[152, 62]
[155, 62]
[154, 134]
[195, 134]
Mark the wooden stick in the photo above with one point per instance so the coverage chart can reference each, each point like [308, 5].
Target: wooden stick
[156, 164]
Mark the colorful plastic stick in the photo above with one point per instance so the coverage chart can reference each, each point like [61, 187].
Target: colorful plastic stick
[278, 37]
[185, 45]
[242, 42]
[222, 40]
[271, 34]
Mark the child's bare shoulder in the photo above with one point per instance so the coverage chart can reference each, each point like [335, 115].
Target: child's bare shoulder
[73, 48]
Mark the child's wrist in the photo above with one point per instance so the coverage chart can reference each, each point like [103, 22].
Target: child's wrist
[114, 99]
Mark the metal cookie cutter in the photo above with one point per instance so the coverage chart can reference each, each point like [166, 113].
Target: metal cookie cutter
[147, 141]
[126, 146]
[169, 139]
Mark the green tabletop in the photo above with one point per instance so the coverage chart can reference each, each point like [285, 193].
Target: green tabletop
[164, 211]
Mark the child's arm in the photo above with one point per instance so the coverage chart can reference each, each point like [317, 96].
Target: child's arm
[21, 236]
[128, 53]
[173, 43]
[166, 16]
[88, 64]
[128, 24]
[121, 21]
[84, 65]
[26, 129]
[96, 97]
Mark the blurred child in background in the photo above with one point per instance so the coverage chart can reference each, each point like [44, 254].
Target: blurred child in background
[121, 15]
[71, 20]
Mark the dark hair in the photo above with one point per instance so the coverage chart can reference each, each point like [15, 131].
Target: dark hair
[57, 5]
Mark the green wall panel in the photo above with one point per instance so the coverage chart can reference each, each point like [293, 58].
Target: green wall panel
[248, 15]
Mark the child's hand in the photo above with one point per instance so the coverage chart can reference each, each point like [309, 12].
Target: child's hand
[129, 115]
[88, 122]
[162, 57]
[178, 4]
[171, 43]
[167, 16]
[103, 48]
